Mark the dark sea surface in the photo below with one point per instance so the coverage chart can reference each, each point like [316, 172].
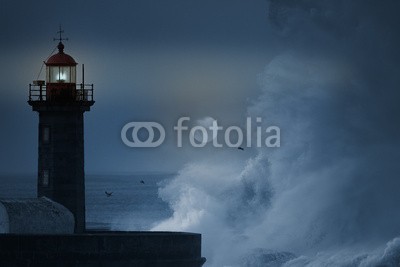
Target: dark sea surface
[133, 205]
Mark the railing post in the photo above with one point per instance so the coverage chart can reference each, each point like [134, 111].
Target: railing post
[82, 88]
[40, 93]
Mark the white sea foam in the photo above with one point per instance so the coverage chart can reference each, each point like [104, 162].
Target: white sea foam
[319, 196]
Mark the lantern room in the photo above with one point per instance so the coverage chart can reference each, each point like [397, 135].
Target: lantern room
[61, 75]
[61, 68]
[60, 85]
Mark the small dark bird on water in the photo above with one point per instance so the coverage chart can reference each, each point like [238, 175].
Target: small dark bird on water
[108, 194]
[141, 181]
[240, 148]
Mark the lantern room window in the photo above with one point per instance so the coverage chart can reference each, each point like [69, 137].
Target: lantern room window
[61, 74]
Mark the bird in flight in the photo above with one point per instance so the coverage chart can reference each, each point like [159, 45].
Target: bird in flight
[108, 194]
[141, 181]
[240, 148]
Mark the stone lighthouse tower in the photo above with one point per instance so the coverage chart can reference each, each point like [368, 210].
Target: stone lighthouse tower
[61, 102]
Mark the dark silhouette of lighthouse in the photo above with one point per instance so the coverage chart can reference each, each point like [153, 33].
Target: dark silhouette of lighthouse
[61, 102]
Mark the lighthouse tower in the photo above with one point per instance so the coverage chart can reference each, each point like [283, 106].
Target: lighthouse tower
[61, 102]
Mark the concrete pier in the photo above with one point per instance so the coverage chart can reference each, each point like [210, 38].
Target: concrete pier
[139, 249]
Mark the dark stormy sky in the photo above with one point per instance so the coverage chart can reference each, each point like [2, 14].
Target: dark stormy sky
[159, 60]
[149, 60]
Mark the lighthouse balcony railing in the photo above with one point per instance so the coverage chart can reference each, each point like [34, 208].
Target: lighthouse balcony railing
[83, 93]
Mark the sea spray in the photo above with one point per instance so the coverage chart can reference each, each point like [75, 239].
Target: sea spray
[328, 196]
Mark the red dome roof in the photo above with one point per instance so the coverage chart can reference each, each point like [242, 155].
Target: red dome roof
[61, 59]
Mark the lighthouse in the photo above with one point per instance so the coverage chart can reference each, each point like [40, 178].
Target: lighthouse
[51, 227]
[61, 103]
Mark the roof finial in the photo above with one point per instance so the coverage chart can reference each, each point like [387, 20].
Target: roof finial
[60, 39]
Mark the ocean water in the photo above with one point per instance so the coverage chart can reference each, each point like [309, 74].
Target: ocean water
[132, 206]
